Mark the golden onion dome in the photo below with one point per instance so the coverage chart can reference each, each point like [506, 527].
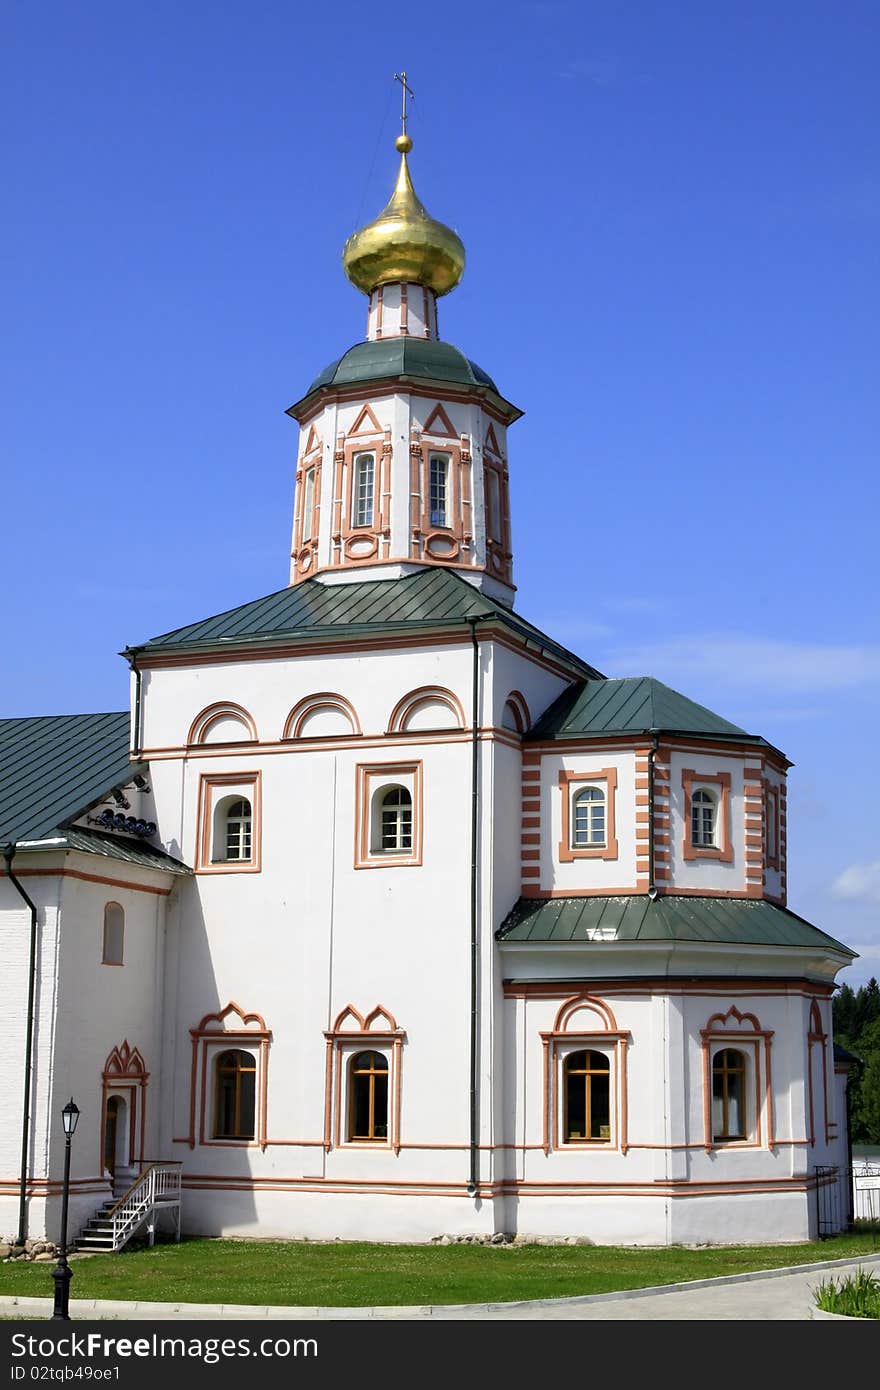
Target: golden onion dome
[404, 243]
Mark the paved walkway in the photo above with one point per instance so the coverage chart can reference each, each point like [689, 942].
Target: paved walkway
[773, 1295]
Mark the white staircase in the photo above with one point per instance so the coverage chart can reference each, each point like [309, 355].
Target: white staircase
[156, 1189]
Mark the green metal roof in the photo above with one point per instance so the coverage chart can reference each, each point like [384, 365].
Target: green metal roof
[631, 705]
[430, 598]
[54, 766]
[724, 921]
[420, 359]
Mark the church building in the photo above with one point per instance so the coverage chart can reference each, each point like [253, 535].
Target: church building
[382, 915]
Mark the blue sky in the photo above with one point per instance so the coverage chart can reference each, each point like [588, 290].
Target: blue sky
[671, 213]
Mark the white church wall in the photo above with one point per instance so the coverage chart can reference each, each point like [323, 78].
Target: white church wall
[706, 871]
[594, 872]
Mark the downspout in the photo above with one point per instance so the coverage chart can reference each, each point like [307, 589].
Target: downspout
[136, 733]
[474, 1177]
[655, 741]
[9, 855]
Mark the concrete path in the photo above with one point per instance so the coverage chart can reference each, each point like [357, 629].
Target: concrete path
[769, 1296]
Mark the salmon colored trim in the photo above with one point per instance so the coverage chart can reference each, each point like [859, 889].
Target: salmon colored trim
[93, 878]
[671, 1190]
[223, 709]
[209, 783]
[446, 430]
[748, 1033]
[407, 706]
[125, 1065]
[522, 713]
[364, 1034]
[567, 782]
[710, 987]
[365, 775]
[325, 699]
[498, 547]
[771, 813]
[425, 533]
[722, 853]
[365, 414]
[205, 1037]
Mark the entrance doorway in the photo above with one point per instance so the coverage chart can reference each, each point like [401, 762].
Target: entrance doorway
[113, 1132]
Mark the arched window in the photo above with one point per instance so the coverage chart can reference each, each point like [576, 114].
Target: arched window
[368, 1097]
[703, 818]
[728, 1095]
[362, 498]
[395, 821]
[114, 934]
[587, 1098]
[235, 1095]
[233, 841]
[588, 821]
[308, 504]
[439, 487]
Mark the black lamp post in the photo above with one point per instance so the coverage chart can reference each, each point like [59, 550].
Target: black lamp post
[62, 1273]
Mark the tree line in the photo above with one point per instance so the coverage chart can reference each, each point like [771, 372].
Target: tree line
[856, 1015]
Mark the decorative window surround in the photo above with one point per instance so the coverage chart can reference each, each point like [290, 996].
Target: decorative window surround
[212, 789]
[351, 1033]
[584, 1022]
[409, 704]
[371, 780]
[817, 1037]
[743, 1033]
[313, 704]
[306, 529]
[569, 783]
[213, 714]
[719, 784]
[125, 1071]
[231, 1029]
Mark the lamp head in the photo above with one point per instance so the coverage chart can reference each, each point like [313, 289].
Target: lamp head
[69, 1117]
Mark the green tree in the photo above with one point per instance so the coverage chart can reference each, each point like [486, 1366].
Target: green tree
[866, 1104]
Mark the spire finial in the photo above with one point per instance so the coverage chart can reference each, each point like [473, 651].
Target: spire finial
[403, 141]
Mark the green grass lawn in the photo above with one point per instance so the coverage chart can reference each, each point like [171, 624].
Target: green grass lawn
[342, 1274]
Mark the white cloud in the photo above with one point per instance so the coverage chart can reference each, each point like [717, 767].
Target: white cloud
[752, 663]
[859, 881]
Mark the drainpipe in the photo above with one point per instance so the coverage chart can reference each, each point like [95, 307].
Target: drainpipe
[136, 733]
[655, 741]
[9, 855]
[473, 1186]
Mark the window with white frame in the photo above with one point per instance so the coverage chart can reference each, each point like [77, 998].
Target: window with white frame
[704, 819]
[588, 818]
[388, 815]
[362, 494]
[439, 489]
[308, 504]
[236, 826]
[394, 821]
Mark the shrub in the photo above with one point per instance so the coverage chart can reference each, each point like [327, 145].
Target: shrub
[856, 1296]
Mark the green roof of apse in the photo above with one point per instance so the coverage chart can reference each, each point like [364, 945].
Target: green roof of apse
[415, 357]
[725, 921]
[630, 705]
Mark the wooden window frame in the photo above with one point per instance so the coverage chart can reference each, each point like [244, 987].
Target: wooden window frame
[353, 1032]
[588, 1073]
[740, 1032]
[229, 1030]
[719, 784]
[215, 1063]
[559, 1043]
[569, 782]
[352, 1083]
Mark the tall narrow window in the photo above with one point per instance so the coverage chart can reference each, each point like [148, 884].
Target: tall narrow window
[770, 805]
[587, 1104]
[588, 821]
[237, 838]
[362, 507]
[308, 504]
[439, 484]
[703, 819]
[493, 504]
[728, 1095]
[396, 821]
[114, 932]
[368, 1098]
[235, 1095]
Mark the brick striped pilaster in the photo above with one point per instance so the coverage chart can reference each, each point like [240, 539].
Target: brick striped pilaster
[530, 836]
[755, 829]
